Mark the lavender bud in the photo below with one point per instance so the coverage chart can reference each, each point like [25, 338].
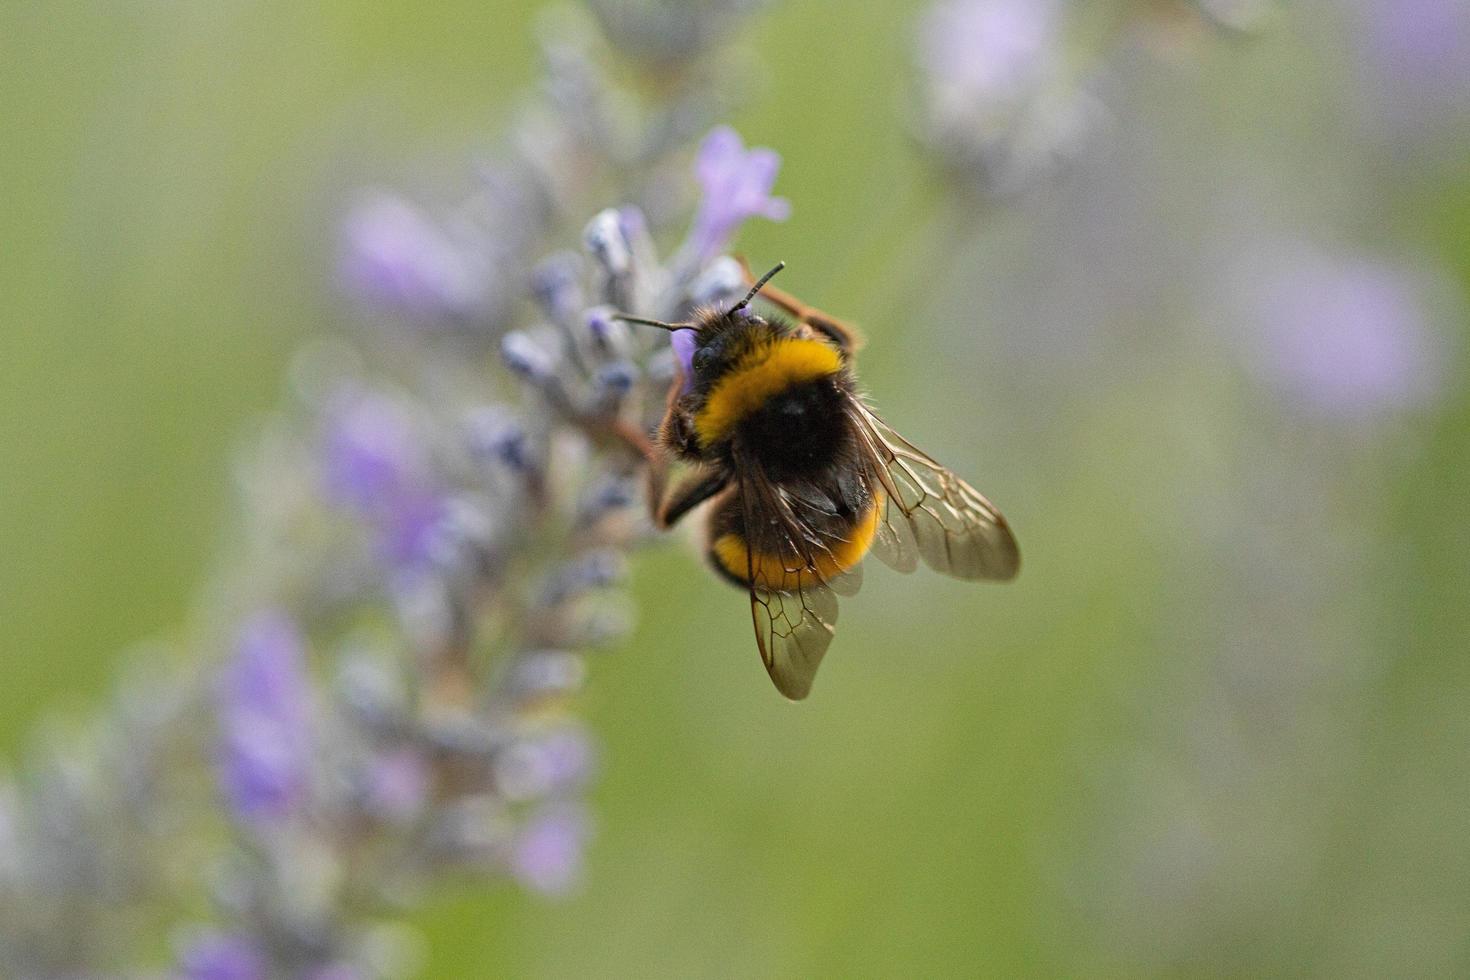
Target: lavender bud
[611, 384]
[396, 257]
[557, 286]
[721, 284]
[598, 569]
[498, 437]
[604, 239]
[264, 709]
[396, 786]
[543, 767]
[372, 452]
[548, 852]
[607, 336]
[528, 358]
[600, 628]
[545, 674]
[372, 692]
[610, 493]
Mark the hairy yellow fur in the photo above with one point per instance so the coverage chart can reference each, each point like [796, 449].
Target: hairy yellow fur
[764, 371]
[776, 572]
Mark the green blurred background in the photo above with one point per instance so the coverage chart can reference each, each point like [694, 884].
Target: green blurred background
[987, 782]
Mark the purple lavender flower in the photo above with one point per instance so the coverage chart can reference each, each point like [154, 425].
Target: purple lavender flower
[736, 186]
[493, 525]
[548, 855]
[986, 53]
[264, 706]
[548, 766]
[397, 785]
[375, 462]
[1346, 337]
[1417, 54]
[1001, 107]
[394, 256]
[372, 453]
[222, 956]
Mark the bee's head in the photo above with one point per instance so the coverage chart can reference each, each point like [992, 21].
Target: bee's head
[713, 339]
[714, 343]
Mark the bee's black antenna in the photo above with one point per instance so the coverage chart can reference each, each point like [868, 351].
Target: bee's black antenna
[757, 287]
[628, 318]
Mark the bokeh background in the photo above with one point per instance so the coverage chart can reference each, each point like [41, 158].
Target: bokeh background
[1214, 374]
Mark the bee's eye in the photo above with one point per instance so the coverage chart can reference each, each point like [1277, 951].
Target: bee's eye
[703, 358]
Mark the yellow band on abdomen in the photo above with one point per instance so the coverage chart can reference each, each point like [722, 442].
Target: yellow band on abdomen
[787, 573]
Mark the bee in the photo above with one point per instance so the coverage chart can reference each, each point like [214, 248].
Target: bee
[803, 478]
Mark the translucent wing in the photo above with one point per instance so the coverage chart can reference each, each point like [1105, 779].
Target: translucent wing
[931, 513]
[793, 628]
[793, 609]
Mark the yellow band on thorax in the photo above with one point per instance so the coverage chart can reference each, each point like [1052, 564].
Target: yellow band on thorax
[767, 370]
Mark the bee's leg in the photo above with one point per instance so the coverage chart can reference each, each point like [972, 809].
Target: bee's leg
[848, 338]
[689, 494]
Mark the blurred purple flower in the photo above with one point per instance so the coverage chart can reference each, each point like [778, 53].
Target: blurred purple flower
[1416, 60]
[548, 855]
[264, 707]
[372, 451]
[397, 786]
[222, 956]
[986, 52]
[1001, 106]
[537, 768]
[374, 461]
[736, 186]
[393, 255]
[1347, 337]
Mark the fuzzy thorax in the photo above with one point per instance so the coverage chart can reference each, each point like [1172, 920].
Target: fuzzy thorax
[760, 374]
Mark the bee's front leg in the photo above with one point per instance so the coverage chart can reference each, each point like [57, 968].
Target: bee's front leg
[693, 491]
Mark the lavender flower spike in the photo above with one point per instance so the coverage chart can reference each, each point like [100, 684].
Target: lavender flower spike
[736, 186]
[454, 530]
[264, 706]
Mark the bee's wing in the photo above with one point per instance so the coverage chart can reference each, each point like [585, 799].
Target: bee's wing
[794, 618]
[793, 630]
[931, 513]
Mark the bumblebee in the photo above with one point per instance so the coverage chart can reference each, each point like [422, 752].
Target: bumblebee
[803, 478]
